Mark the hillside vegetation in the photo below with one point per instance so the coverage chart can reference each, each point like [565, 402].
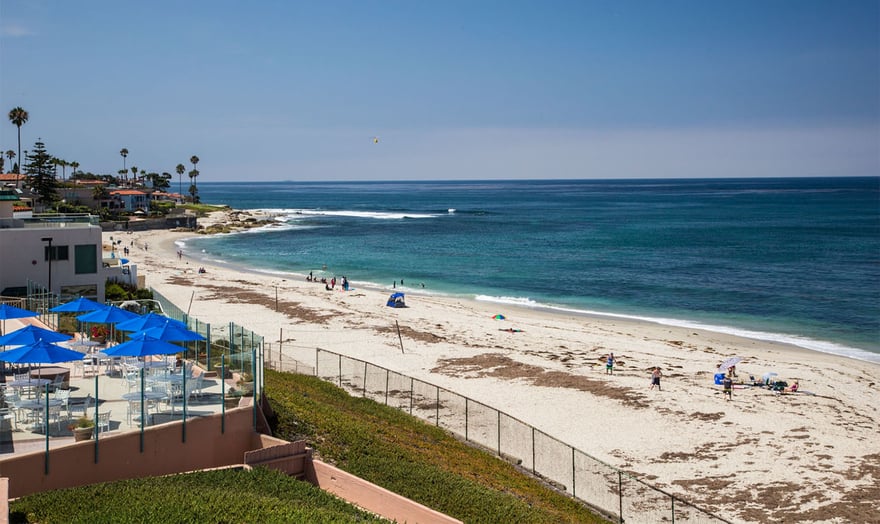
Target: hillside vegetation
[227, 496]
[407, 456]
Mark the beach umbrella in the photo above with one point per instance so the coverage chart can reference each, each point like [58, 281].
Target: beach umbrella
[149, 320]
[7, 311]
[30, 335]
[768, 376]
[499, 317]
[729, 363]
[40, 352]
[80, 305]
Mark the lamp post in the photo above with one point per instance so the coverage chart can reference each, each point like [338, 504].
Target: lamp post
[49, 240]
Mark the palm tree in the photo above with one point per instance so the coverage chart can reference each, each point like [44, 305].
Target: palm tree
[74, 165]
[180, 171]
[10, 155]
[193, 188]
[18, 117]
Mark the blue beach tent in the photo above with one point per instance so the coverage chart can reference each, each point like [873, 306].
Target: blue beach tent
[396, 300]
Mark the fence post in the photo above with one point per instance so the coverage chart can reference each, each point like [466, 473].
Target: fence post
[386, 386]
[365, 379]
[672, 497]
[533, 451]
[620, 496]
[465, 419]
[499, 431]
[437, 407]
[207, 347]
[412, 392]
[340, 370]
[573, 474]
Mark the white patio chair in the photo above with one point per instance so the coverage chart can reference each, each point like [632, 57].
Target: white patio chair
[21, 376]
[80, 408]
[64, 396]
[57, 383]
[10, 415]
[103, 422]
[54, 415]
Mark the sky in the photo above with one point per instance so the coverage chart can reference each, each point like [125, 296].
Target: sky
[470, 89]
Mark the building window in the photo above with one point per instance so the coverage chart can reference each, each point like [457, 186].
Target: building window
[58, 253]
[86, 259]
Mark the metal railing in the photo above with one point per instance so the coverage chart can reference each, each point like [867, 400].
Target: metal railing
[238, 349]
[613, 492]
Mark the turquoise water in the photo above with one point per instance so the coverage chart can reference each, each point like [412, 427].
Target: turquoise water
[796, 260]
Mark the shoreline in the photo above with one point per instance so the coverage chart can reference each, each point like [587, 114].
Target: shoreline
[804, 457]
[768, 337]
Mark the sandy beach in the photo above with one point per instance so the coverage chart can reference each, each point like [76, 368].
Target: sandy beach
[811, 456]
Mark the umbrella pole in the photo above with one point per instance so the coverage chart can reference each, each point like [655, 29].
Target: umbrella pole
[183, 393]
[96, 418]
[222, 393]
[142, 409]
[46, 421]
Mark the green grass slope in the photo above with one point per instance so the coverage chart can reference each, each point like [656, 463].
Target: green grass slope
[407, 456]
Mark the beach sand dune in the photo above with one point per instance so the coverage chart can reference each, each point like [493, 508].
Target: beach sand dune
[762, 457]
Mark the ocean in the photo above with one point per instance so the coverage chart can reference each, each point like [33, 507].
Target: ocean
[795, 260]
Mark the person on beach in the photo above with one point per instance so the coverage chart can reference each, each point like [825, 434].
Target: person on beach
[655, 378]
[727, 384]
[609, 364]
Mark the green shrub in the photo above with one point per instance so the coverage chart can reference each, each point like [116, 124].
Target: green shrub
[258, 495]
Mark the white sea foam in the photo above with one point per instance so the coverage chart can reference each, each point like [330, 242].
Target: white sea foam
[784, 338]
[292, 214]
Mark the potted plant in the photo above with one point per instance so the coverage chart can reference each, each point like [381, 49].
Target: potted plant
[246, 384]
[99, 333]
[232, 399]
[82, 429]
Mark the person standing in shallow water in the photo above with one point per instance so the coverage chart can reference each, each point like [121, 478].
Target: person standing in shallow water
[609, 364]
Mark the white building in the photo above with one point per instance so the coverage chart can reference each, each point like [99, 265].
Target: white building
[61, 252]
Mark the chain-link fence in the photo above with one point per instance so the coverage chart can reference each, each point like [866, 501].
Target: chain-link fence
[615, 493]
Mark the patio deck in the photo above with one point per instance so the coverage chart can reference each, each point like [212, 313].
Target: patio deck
[18, 436]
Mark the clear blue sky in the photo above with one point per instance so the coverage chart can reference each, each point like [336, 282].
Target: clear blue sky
[289, 90]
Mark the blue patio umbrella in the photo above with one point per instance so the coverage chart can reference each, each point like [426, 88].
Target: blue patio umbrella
[143, 347]
[80, 305]
[40, 352]
[168, 333]
[107, 315]
[7, 311]
[148, 321]
[30, 335]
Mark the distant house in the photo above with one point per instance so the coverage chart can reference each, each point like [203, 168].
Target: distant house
[132, 199]
[11, 180]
